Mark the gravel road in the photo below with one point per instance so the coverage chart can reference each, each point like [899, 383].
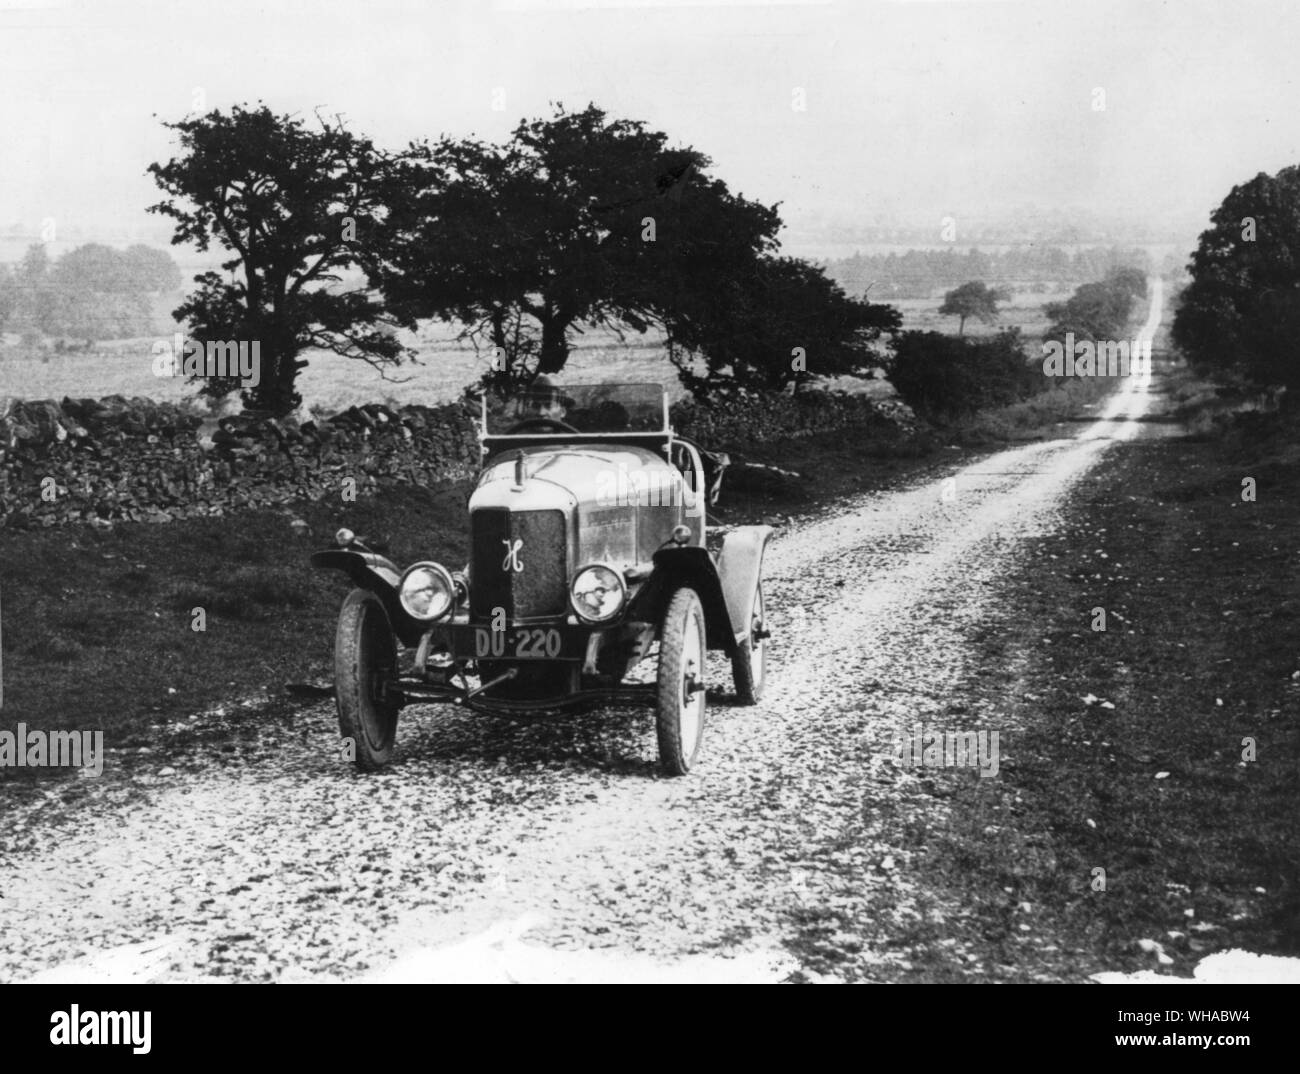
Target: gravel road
[265, 857]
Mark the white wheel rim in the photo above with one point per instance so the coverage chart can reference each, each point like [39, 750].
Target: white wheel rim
[690, 708]
[757, 646]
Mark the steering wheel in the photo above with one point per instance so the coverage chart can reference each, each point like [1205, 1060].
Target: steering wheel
[530, 423]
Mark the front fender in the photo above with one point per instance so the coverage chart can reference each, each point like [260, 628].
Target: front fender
[726, 587]
[381, 576]
[693, 566]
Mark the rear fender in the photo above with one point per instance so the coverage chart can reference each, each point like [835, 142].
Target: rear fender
[740, 568]
[381, 576]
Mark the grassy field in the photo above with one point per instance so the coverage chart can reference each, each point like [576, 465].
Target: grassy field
[1024, 310]
[445, 365]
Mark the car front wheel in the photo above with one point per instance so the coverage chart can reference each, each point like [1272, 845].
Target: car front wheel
[679, 702]
[365, 661]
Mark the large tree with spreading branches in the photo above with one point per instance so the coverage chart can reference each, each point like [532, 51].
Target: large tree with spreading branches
[782, 322]
[577, 220]
[290, 202]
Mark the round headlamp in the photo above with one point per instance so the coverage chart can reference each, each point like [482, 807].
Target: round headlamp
[426, 592]
[597, 593]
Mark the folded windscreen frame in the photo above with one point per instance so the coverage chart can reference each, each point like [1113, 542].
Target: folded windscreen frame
[588, 409]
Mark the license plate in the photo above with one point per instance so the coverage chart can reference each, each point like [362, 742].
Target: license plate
[519, 643]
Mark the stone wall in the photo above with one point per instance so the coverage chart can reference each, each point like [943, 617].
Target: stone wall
[132, 459]
[748, 417]
[118, 459]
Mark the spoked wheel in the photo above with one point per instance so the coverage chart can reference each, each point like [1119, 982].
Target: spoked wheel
[679, 702]
[749, 664]
[365, 660]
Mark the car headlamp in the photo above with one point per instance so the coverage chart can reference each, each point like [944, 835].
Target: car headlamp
[426, 592]
[598, 593]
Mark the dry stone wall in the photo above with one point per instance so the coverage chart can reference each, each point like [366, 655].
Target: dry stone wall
[749, 417]
[118, 459]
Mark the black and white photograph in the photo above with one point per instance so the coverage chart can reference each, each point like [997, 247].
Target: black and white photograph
[651, 492]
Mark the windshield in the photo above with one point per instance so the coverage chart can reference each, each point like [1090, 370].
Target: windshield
[548, 408]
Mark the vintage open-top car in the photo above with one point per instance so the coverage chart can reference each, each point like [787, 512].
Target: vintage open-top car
[588, 544]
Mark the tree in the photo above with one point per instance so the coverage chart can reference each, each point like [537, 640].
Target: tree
[287, 202]
[151, 270]
[1128, 279]
[975, 299]
[576, 220]
[35, 264]
[782, 323]
[35, 300]
[91, 267]
[1098, 310]
[9, 295]
[1237, 319]
[92, 292]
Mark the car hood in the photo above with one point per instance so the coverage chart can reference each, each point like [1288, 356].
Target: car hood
[581, 471]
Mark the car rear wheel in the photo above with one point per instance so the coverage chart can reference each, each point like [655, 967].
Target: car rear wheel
[679, 700]
[365, 660]
[749, 664]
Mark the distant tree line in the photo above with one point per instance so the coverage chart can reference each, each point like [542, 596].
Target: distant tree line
[92, 292]
[926, 273]
[576, 220]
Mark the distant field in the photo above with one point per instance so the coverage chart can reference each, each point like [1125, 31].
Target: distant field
[124, 367]
[445, 366]
[1023, 311]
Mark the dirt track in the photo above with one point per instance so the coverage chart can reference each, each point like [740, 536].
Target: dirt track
[269, 859]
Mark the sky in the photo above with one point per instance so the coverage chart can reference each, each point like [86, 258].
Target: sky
[912, 110]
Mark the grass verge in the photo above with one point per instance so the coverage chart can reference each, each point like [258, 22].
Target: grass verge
[1144, 815]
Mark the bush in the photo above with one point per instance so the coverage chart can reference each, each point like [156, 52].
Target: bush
[1098, 310]
[945, 377]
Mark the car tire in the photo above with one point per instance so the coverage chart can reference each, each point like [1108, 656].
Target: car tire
[749, 664]
[679, 692]
[365, 653]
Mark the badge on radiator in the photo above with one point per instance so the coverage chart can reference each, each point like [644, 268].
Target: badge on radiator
[511, 562]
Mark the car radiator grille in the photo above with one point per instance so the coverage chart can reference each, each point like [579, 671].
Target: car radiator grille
[532, 541]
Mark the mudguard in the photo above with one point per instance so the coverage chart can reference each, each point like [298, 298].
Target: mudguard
[381, 576]
[686, 565]
[726, 587]
[740, 567]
